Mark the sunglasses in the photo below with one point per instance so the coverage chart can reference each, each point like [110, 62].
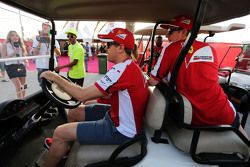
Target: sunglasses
[70, 36]
[109, 44]
[172, 30]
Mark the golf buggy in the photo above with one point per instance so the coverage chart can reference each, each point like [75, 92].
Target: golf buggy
[169, 139]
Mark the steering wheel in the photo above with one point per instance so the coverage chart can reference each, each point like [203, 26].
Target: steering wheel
[57, 95]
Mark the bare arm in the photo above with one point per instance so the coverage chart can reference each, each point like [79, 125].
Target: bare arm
[37, 49]
[25, 54]
[81, 94]
[57, 51]
[74, 62]
[24, 51]
[4, 51]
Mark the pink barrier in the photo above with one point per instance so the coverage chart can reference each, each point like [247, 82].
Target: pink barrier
[92, 64]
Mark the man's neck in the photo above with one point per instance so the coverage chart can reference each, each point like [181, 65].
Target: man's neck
[122, 59]
[73, 42]
[44, 33]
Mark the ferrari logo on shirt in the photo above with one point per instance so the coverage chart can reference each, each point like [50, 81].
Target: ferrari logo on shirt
[191, 50]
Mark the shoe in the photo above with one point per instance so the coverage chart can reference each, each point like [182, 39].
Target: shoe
[47, 144]
[4, 80]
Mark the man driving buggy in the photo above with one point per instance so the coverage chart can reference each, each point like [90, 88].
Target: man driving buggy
[197, 79]
[103, 124]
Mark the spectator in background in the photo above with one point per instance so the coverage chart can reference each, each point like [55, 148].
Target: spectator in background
[16, 69]
[65, 47]
[102, 48]
[157, 49]
[2, 67]
[248, 66]
[93, 51]
[76, 55]
[41, 46]
[244, 60]
[88, 54]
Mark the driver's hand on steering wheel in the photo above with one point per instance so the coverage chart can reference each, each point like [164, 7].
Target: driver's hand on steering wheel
[49, 75]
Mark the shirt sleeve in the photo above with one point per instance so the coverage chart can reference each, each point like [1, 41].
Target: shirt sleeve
[113, 80]
[57, 44]
[103, 101]
[162, 66]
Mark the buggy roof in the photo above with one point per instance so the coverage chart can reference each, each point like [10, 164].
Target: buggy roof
[203, 29]
[131, 10]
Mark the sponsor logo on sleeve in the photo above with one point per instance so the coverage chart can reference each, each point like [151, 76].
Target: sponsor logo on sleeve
[201, 55]
[106, 77]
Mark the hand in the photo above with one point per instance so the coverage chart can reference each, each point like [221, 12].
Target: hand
[49, 75]
[39, 45]
[26, 62]
[16, 52]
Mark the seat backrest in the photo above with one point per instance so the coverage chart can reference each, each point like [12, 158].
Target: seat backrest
[187, 110]
[209, 141]
[222, 80]
[155, 109]
[180, 109]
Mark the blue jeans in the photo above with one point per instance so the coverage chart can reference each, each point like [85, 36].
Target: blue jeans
[86, 59]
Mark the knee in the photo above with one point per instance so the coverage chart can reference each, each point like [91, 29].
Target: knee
[58, 133]
[76, 114]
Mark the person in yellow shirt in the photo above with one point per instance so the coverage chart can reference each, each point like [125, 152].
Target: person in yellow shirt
[76, 66]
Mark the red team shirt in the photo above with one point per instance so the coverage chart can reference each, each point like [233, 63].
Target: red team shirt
[198, 81]
[129, 89]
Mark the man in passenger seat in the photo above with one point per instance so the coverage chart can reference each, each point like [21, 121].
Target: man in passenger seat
[103, 124]
[197, 78]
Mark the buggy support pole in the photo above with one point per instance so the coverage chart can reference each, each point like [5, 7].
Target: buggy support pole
[152, 45]
[170, 89]
[200, 12]
[53, 33]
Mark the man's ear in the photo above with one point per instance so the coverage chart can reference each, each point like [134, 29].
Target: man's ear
[185, 32]
[121, 48]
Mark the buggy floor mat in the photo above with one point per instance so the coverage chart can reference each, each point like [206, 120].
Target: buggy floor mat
[30, 148]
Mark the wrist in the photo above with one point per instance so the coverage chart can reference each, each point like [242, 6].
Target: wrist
[55, 78]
